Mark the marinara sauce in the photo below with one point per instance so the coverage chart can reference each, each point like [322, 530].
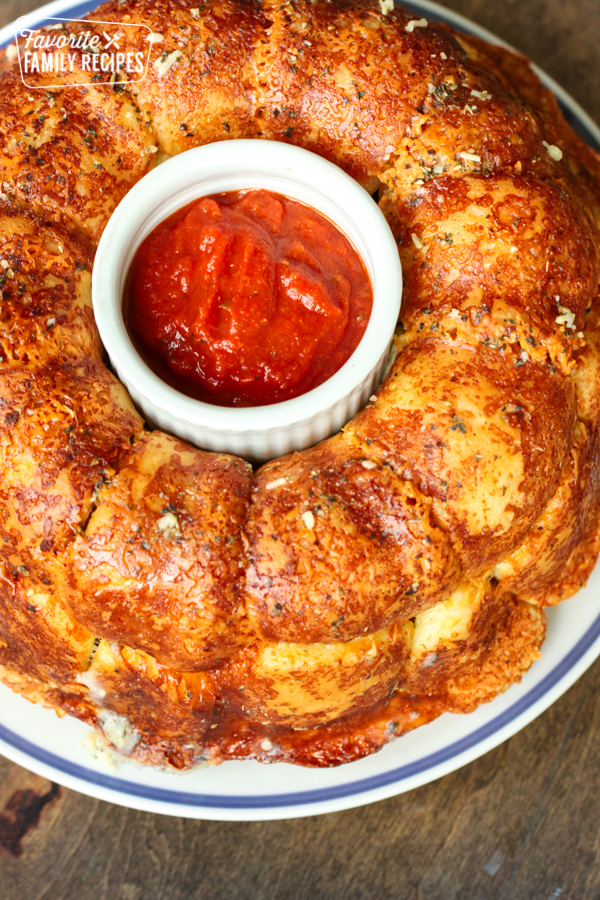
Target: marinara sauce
[246, 298]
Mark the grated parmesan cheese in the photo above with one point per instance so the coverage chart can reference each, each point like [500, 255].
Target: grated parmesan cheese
[11, 52]
[169, 525]
[386, 6]
[368, 464]
[195, 12]
[554, 152]
[163, 63]
[566, 317]
[266, 745]
[481, 95]
[155, 38]
[472, 157]
[275, 484]
[309, 520]
[416, 23]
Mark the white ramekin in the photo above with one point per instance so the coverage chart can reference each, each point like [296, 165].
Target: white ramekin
[260, 432]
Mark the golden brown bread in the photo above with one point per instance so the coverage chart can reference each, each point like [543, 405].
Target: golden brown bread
[169, 584]
[358, 550]
[341, 596]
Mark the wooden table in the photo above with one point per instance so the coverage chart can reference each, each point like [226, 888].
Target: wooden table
[522, 822]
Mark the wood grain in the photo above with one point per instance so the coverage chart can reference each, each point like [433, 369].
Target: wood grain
[521, 823]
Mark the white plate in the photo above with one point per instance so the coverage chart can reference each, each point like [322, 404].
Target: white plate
[35, 738]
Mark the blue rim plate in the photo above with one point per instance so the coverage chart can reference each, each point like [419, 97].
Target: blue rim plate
[38, 740]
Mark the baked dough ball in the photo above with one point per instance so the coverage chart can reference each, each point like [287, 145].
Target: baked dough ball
[484, 438]
[142, 705]
[560, 549]
[303, 685]
[340, 546]
[40, 638]
[160, 564]
[71, 153]
[471, 647]
[198, 85]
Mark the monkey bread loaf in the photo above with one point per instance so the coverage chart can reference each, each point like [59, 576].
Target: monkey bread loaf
[195, 609]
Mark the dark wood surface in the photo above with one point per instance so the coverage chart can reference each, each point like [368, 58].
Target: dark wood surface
[522, 822]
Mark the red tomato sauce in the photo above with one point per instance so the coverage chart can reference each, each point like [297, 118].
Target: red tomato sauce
[246, 298]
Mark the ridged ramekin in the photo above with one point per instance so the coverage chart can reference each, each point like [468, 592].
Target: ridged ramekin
[260, 432]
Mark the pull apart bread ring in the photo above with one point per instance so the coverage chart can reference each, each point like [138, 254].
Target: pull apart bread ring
[193, 609]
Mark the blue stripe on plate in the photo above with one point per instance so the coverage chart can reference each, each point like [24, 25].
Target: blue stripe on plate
[366, 784]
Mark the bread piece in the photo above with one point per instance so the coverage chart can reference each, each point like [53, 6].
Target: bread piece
[160, 562]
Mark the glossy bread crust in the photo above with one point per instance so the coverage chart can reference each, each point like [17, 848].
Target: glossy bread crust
[312, 610]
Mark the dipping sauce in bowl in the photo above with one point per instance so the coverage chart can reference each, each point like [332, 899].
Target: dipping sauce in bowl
[246, 298]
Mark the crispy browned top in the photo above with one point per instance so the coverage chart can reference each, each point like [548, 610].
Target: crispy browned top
[338, 596]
